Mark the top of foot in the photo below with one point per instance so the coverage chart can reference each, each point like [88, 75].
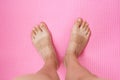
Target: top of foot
[42, 41]
[79, 37]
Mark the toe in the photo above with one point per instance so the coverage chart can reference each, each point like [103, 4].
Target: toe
[33, 35]
[43, 26]
[34, 31]
[86, 26]
[38, 29]
[33, 38]
[78, 22]
[83, 24]
[88, 32]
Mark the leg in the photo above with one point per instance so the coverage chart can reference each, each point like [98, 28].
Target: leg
[79, 38]
[42, 41]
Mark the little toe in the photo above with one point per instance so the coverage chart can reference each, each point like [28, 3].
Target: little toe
[33, 38]
[87, 29]
[88, 33]
[43, 27]
[78, 22]
[33, 35]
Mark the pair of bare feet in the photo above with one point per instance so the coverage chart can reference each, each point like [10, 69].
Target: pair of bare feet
[42, 40]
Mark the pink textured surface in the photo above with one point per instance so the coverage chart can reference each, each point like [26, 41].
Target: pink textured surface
[17, 18]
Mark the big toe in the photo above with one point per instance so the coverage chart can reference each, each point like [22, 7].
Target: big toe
[78, 22]
[43, 26]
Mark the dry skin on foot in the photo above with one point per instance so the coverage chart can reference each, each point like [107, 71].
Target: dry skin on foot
[42, 41]
[79, 37]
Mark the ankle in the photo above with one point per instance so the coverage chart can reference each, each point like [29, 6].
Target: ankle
[70, 55]
[69, 58]
[51, 62]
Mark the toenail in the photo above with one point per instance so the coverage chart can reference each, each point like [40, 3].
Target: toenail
[34, 29]
[41, 25]
[79, 19]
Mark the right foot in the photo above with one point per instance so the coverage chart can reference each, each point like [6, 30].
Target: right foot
[42, 41]
[79, 37]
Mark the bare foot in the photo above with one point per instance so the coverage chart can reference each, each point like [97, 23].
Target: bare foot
[79, 37]
[42, 41]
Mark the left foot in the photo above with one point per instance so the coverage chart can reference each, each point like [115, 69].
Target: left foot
[42, 41]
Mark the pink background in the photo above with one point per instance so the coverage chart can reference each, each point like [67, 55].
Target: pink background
[17, 18]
